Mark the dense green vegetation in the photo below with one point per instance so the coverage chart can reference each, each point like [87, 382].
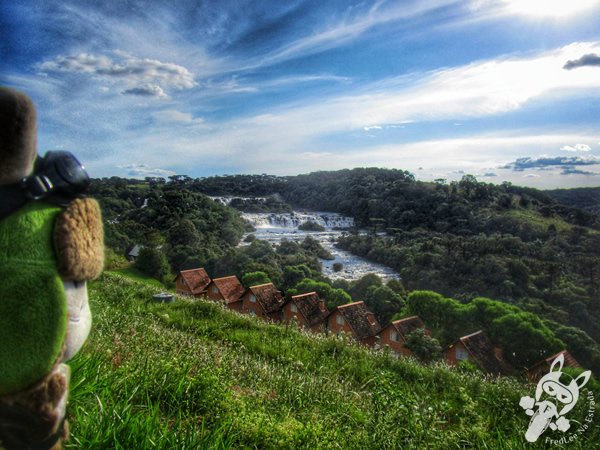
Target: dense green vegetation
[186, 226]
[285, 264]
[463, 239]
[191, 374]
[585, 198]
[467, 239]
[311, 226]
[258, 205]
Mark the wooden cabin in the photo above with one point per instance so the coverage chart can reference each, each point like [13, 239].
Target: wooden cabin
[537, 371]
[478, 348]
[356, 320]
[263, 300]
[192, 282]
[394, 335]
[228, 290]
[307, 310]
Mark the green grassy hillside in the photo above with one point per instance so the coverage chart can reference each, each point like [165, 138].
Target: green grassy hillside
[191, 374]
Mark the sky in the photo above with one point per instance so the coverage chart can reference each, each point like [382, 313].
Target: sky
[506, 90]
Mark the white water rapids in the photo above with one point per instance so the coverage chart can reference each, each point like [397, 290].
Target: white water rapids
[274, 227]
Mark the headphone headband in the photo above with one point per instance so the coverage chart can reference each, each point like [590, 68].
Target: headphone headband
[57, 175]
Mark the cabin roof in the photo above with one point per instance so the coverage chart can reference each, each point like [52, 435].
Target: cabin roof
[482, 350]
[570, 361]
[357, 315]
[196, 279]
[408, 325]
[309, 306]
[268, 296]
[230, 288]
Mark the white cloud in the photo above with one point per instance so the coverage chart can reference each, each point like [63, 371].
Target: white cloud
[175, 116]
[146, 90]
[480, 89]
[139, 76]
[142, 171]
[576, 148]
[343, 31]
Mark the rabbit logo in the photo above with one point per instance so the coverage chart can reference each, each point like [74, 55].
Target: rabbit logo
[553, 400]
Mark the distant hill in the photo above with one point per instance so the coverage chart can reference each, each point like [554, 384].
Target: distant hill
[190, 374]
[587, 199]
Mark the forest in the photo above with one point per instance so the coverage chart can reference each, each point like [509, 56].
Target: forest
[538, 259]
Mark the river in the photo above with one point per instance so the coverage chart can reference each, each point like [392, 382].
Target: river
[274, 227]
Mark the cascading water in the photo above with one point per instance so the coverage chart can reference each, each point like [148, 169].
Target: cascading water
[294, 220]
[274, 227]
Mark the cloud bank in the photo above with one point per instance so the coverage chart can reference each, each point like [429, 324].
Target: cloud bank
[551, 162]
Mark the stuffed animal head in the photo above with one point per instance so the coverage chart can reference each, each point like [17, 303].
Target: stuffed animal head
[18, 133]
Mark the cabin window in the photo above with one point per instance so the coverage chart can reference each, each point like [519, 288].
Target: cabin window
[461, 354]
[293, 308]
[371, 320]
[253, 298]
[339, 319]
[215, 289]
[252, 312]
[393, 336]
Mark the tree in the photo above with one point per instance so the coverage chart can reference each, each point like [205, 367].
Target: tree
[424, 347]
[254, 279]
[183, 233]
[314, 247]
[397, 286]
[153, 262]
[359, 288]
[524, 338]
[334, 297]
[311, 226]
[383, 302]
[292, 275]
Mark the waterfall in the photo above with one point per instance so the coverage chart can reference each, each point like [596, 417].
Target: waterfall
[275, 227]
[293, 220]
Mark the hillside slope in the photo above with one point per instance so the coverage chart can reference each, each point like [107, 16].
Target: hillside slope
[192, 375]
[584, 198]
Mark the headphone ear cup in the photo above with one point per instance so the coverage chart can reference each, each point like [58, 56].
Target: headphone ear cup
[38, 163]
[65, 173]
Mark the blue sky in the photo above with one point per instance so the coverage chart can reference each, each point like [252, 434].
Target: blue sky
[507, 90]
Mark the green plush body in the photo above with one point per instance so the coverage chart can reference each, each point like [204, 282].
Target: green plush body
[33, 308]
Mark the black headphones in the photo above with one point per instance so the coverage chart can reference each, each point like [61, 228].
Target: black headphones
[58, 177]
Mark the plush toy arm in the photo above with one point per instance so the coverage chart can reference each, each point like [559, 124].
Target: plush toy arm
[79, 240]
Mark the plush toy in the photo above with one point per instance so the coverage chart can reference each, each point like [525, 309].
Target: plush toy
[51, 242]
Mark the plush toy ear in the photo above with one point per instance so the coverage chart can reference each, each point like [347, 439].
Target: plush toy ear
[560, 360]
[18, 134]
[79, 241]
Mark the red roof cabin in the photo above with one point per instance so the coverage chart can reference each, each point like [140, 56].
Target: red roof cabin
[307, 310]
[263, 300]
[394, 335]
[228, 290]
[192, 282]
[536, 372]
[356, 320]
[478, 348]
